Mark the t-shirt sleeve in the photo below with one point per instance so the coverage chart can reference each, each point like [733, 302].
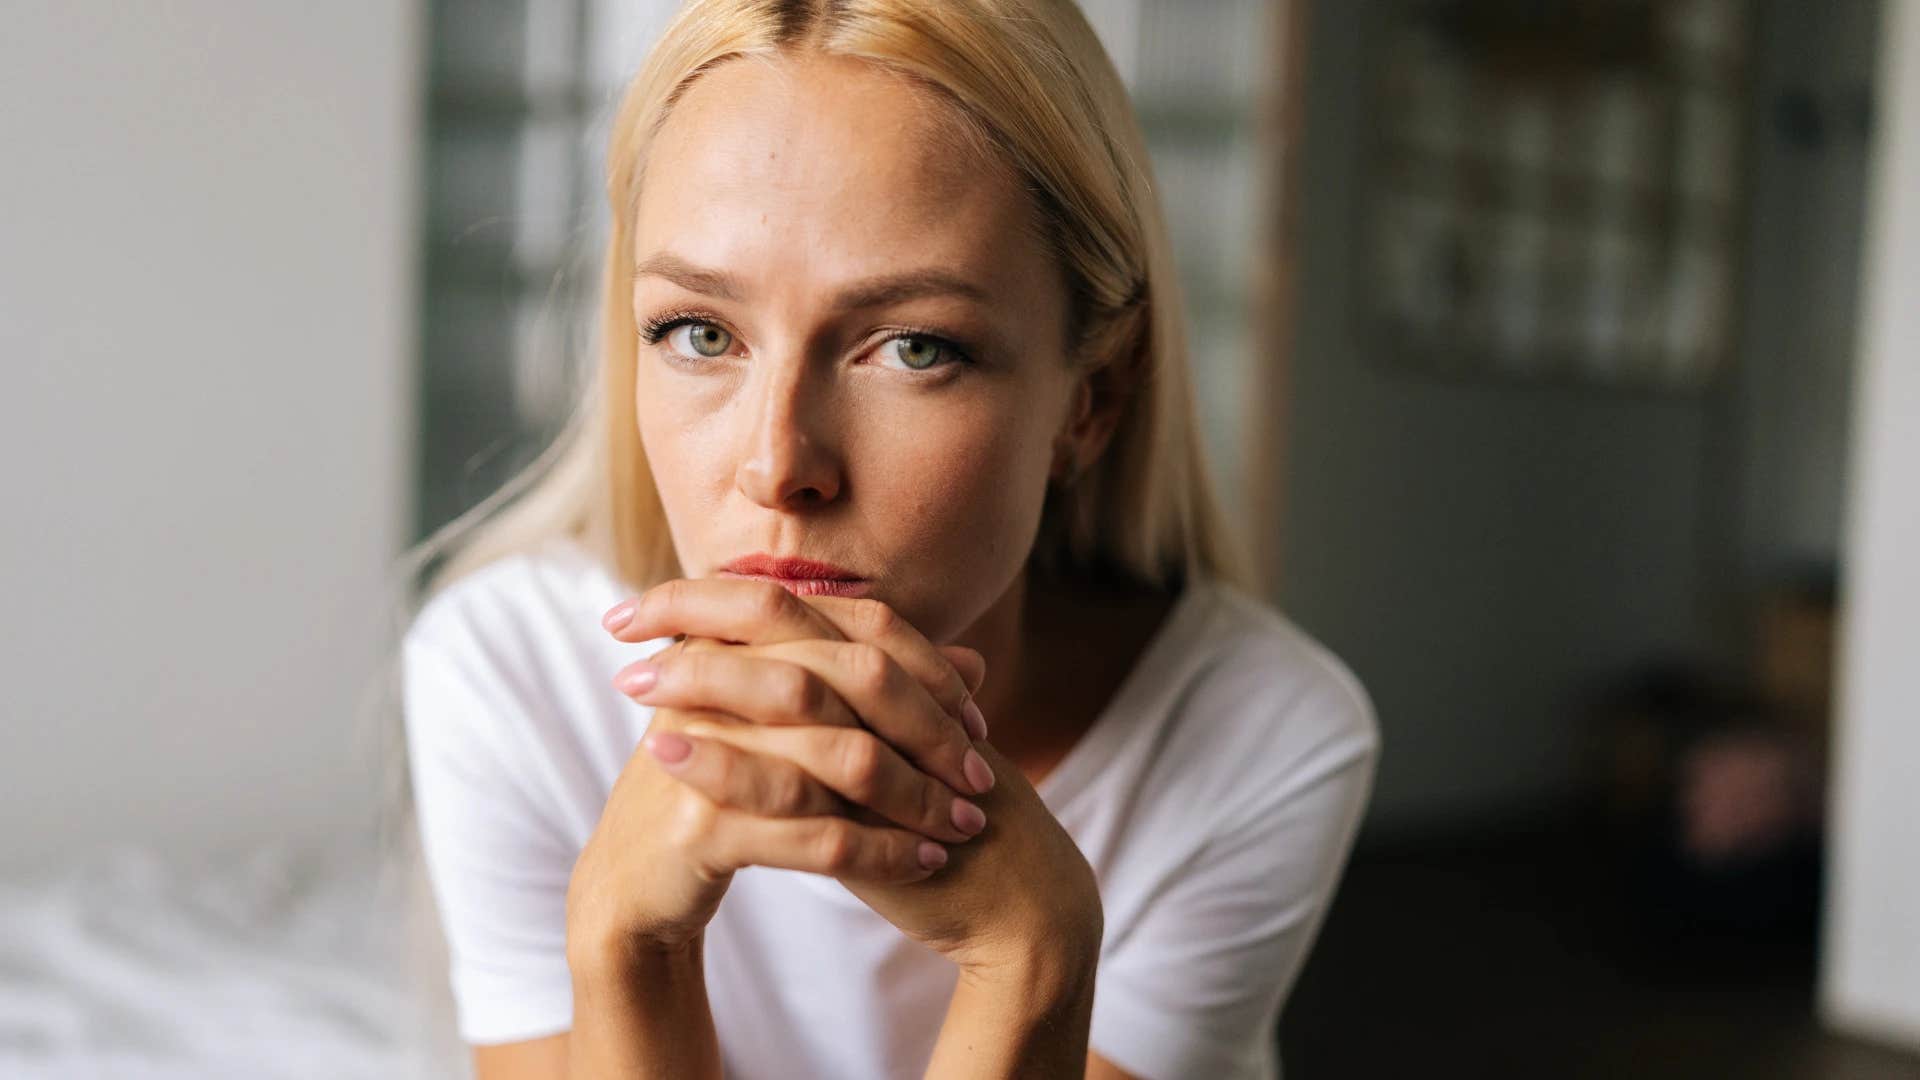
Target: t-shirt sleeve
[496, 862]
[1196, 988]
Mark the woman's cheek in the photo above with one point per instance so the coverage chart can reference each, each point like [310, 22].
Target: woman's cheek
[966, 490]
[684, 454]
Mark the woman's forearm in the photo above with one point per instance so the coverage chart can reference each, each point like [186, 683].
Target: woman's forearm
[1019, 1020]
[641, 1013]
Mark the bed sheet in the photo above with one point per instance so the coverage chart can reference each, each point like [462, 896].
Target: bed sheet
[279, 963]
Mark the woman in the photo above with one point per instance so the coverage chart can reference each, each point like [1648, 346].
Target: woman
[866, 689]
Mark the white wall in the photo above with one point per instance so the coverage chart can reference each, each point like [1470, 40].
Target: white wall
[206, 272]
[1871, 978]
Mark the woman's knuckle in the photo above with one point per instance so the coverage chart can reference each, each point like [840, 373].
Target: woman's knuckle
[836, 847]
[860, 764]
[871, 667]
[800, 694]
[661, 598]
[722, 772]
[876, 619]
[689, 670]
[691, 824]
[905, 855]
[771, 602]
[936, 808]
[788, 793]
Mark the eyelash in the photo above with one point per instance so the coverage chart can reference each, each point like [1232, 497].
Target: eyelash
[659, 326]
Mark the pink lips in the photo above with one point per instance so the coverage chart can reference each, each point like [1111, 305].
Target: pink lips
[802, 577]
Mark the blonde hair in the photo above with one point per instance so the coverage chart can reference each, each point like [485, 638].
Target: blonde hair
[1033, 83]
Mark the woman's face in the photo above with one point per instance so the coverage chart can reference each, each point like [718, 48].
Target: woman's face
[851, 342]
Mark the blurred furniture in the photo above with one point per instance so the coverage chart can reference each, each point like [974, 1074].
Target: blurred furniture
[1712, 786]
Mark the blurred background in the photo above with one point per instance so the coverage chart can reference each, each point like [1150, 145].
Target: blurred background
[1556, 356]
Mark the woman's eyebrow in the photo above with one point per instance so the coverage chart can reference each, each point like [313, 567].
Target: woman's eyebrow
[877, 291]
[887, 289]
[715, 283]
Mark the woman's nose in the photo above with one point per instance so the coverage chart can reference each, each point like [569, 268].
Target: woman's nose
[788, 460]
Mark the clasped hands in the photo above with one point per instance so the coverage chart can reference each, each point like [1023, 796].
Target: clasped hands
[828, 735]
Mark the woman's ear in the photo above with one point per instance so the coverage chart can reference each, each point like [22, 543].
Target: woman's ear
[1099, 396]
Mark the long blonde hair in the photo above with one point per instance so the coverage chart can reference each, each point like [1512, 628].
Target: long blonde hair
[1033, 83]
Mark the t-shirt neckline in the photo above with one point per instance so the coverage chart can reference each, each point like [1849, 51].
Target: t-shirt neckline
[1132, 702]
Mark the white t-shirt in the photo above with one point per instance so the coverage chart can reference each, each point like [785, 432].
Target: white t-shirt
[1216, 799]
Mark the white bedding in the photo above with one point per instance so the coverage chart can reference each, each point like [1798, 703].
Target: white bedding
[281, 964]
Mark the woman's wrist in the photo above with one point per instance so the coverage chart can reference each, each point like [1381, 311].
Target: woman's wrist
[604, 923]
[1057, 945]
[1059, 964]
[1028, 1013]
[617, 955]
[641, 1009]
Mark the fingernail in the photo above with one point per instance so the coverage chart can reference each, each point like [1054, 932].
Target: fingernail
[967, 817]
[932, 855]
[637, 678]
[617, 617]
[978, 774]
[669, 748]
[976, 721]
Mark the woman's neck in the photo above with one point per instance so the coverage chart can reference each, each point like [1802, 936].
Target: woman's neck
[1056, 650]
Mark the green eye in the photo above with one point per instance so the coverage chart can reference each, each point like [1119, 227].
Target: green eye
[918, 353]
[706, 339]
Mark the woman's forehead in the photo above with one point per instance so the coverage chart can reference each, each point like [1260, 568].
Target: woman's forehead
[827, 160]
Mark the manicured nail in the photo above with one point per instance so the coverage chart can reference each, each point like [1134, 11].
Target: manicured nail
[932, 855]
[618, 616]
[967, 817]
[637, 678]
[978, 774]
[976, 721]
[667, 747]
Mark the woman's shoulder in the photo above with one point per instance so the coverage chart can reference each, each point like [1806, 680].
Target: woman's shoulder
[512, 655]
[1255, 640]
[526, 596]
[1264, 694]
[523, 632]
